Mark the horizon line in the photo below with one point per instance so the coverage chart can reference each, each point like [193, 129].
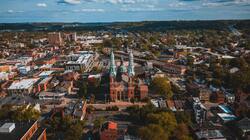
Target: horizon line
[126, 21]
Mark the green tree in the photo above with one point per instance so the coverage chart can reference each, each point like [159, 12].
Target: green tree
[162, 86]
[74, 132]
[240, 80]
[25, 114]
[152, 132]
[216, 82]
[83, 88]
[152, 39]
[164, 119]
[116, 42]
[5, 111]
[66, 122]
[98, 122]
[183, 117]
[107, 43]
[181, 132]
[190, 60]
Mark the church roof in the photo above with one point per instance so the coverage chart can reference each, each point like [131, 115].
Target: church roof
[122, 69]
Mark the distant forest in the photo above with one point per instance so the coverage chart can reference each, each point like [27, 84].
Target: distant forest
[128, 26]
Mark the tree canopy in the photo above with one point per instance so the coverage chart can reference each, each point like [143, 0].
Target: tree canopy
[152, 132]
[162, 86]
[22, 113]
[164, 119]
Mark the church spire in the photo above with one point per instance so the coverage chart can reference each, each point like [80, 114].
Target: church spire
[112, 67]
[131, 71]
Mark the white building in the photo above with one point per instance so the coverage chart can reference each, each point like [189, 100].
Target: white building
[83, 60]
[87, 40]
[44, 95]
[24, 69]
[24, 60]
[200, 110]
[24, 86]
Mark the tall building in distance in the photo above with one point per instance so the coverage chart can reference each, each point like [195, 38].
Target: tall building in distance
[55, 39]
[122, 84]
[70, 36]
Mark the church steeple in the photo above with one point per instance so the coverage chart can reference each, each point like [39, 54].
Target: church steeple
[131, 71]
[112, 67]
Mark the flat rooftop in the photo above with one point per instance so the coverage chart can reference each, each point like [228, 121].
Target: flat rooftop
[45, 73]
[225, 109]
[82, 59]
[23, 84]
[210, 134]
[45, 80]
[226, 117]
[51, 94]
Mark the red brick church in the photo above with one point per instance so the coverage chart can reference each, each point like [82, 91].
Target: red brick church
[123, 85]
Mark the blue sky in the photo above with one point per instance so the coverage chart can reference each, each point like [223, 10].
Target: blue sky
[121, 10]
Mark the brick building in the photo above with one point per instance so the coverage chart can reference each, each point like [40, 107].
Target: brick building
[123, 84]
[55, 39]
[109, 131]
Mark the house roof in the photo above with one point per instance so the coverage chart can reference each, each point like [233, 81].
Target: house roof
[23, 84]
[210, 134]
[109, 125]
[226, 117]
[45, 73]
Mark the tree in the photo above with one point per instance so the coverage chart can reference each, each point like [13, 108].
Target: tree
[216, 82]
[240, 80]
[161, 86]
[25, 114]
[152, 39]
[74, 132]
[83, 88]
[90, 109]
[98, 122]
[116, 42]
[190, 60]
[5, 111]
[66, 122]
[183, 117]
[239, 63]
[107, 43]
[139, 115]
[164, 119]
[152, 132]
[92, 98]
[181, 132]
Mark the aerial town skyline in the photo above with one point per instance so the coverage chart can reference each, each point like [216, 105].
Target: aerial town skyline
[125, 70]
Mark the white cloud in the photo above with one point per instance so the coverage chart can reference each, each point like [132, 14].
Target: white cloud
[12, 11]
[141, 9]
[89, 10]
[211, 4]
[70, 1]
[217, 3]
[122, 1]
[177, 4]
[93, 10]
[41, 4]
